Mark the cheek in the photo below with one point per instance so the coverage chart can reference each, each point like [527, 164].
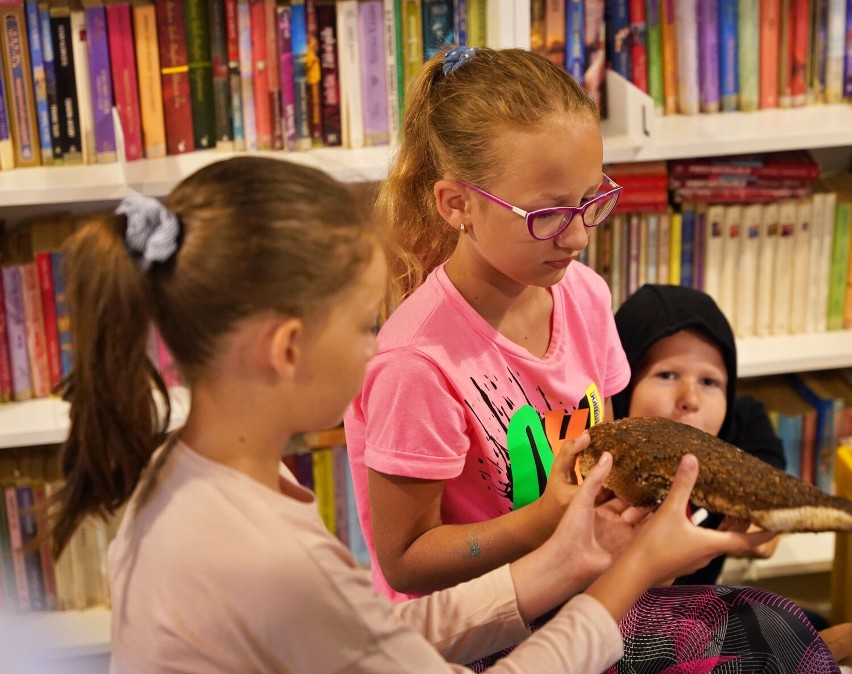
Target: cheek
[648, 400]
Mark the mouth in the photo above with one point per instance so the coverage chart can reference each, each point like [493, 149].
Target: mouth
[560, 264]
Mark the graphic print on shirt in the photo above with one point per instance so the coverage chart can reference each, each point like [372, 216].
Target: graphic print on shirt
[521, 467]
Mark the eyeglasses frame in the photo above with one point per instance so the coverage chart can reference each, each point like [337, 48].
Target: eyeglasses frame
[529, 216]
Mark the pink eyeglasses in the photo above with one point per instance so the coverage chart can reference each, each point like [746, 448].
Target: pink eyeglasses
[548, 223]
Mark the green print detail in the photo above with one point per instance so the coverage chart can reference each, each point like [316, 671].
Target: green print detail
[530, 456]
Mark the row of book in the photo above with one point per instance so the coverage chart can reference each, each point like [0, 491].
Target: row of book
[105, 79]
[812, 415]
[31, 579]
[35, 326]
[695, 56]
[774, 268]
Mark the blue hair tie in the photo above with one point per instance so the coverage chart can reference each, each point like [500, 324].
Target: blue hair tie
[457, 57]
[152, 229]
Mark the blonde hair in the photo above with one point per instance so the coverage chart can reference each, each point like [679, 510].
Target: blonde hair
[452, 127]
[257, 235]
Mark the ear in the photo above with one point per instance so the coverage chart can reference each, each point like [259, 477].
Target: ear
[286, 346]
[452, 202]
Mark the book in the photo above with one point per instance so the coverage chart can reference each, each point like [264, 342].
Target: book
[655, 53]
[766, 269]
[332, 134]
[222, 109]
[13, 299]
[235, 85]
[785, 54]
[272, 66]
[686, 31]
[43, 262]
[174, 75]
[838, 43]
[35, 332]
[5, 364]
[826, 406]
[800, 19]
[313, 74]
[730, 262]
[729, 85]
[125, 83]
[17, 72]
[749, 248]
[146, 50]
[100, 79]
[16, 545]
[7, 152]
[299, 46]
[49, 62]
[840, 251]
[617, 18]
[791, 164]
[769, 35]
[32, 557]
[748, 51]
[477, 23]
[285, 71]
[575, 51]
[595, 54]
[687, 245]
[85, 102]
[674, 248]
[537, 27]
[708, 55]
[554, 30]
[63, 316]
[373, 83]
[352, 111]
[638, 45]
[393, 61]
[260, 74]
[437, 25]
[199, 59]
[802, 242]
[664, 243]
[39, 82]
[818, 53]
[412, 37]
[247, 96]
[816, 270]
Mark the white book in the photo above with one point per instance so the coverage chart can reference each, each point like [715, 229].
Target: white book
[727, 300]
[800, 276]
[767, 250]
[784, 255]
[825, 259]
[834, 62]
[84, 90]
[686, 38]
[391, 79]
[349, 58]
[714, 250]
[814, 271]
[744, 324]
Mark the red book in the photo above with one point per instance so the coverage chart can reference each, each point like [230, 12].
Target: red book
[794, 164]
[259, 55]
[174, 69]
[638, 45]
[44, 267]
[801, 22]
[124, 82]
[770, 34]
[36, 338]
[274, 78]
[5, 362]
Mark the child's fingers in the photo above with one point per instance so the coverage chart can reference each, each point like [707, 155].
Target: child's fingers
[566, 457]
[594, 479]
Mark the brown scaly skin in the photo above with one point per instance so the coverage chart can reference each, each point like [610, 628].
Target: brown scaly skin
[647, 450]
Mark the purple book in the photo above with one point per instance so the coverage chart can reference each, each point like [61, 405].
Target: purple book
[4, 120]
[374, 94]
[285, 70]
[708, 55]
[13, 298]
[847, 63]
[101, 79]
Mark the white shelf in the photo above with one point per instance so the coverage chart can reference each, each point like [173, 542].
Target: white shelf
[794, 353]
[796, 554]
[44, 421]
[60, 634]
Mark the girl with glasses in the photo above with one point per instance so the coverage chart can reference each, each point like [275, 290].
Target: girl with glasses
[496, 329]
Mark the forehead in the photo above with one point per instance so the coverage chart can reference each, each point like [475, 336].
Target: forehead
[693, 344]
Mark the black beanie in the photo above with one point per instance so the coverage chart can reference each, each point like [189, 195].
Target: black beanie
[657, 311]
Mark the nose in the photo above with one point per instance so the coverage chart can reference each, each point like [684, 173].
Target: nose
[687, 399]
[575, 237]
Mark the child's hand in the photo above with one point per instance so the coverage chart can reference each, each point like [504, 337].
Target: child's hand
[562, 482]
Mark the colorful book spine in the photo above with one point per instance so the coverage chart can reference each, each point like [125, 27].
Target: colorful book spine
[31, 555]
[274, 77]
[313, 74]
[655, 53]
[554, 30]
[13, 298]
[232, 33]
[327, 27]
[847, 59]
[393, 63]
[63, 316]
[412, 36]
[100, 76]
[373, 83]
[618, 36]
[80, 49]
[223, 129]
[687, 245]
[146, 45]
[352, 112]
[5, 364]
[638, 45]
[124, 81]
[668, 38]
[815, 78]
[70, 140]
[13, 521]
[840, 252]
[537, 27]
[260, 74]
[174, 71]
[437, 25]
[49, 64]
[39, 82]
[7, 152]
[799, 55]
[299, 44]
[770, 31]
[729, 86]
[14, 50]
[748, 46]
[839, 40]
[785, 52]
[285, 70]
[575, 56]
[200, 62]
[48, 307]
[686, 27]
[34, 327]
[708, 55]
[246, 75]
[477, 22]
[460, 19]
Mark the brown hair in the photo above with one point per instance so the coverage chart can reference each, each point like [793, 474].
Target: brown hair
[451, 127]
[257, 234]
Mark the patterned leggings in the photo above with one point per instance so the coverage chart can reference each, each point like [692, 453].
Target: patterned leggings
[715, 629]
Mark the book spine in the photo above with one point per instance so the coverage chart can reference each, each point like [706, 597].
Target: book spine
[460, 19]
[200, 74]
[729, 85]
[39, 82]
[260, 74]
[575, 53]
[412, 37]
[686, 26]
[801, 23]
[124, 82]
[224, 129]
[18, 76]
[246, 75]
[437, 26]
[392, 56]
[285, 69]
[815, 79]
[13, 521]
[5, 364]
[802, 236]
[839, 40]
[730, 256]
[687, 246]
[331, 123]
[655, 53]
[45, 555]
[80, 49]
[299, 46]
[847, 58]
[668, 39]
[785, 52]
[638, 45]
[749, 249]
[174, 73]
[839, 265]
[477, 23]
[232, 34]
[66, 87]
[13, 297]
[769, 35]
[151, 112]
[815, 266]
[617, 20]
[7, 152]
[747, 53]
[537, 27]
[48, 307]
[274, 77]
[32, 558]
[373, 85]
[554, 29]
[313, 74]
[49, 63]
[34, 326]
[63, 317]
[100, 75]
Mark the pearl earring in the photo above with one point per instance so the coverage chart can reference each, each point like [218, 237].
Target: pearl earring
[463, 228]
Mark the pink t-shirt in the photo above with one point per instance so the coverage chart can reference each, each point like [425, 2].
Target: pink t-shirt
[449, 398]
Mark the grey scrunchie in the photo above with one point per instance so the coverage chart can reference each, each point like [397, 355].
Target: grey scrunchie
[152, 229]
[457, 57]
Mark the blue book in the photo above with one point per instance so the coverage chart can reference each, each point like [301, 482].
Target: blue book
[460, 12]
[790, 431]
[39, 80]
[575, 39]
[825, 441]
[32, 556]
[49, 63]
[437, 26]
[729, 83]
[687, 247]
[299, 48]
[617, 20]
[63, 317]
